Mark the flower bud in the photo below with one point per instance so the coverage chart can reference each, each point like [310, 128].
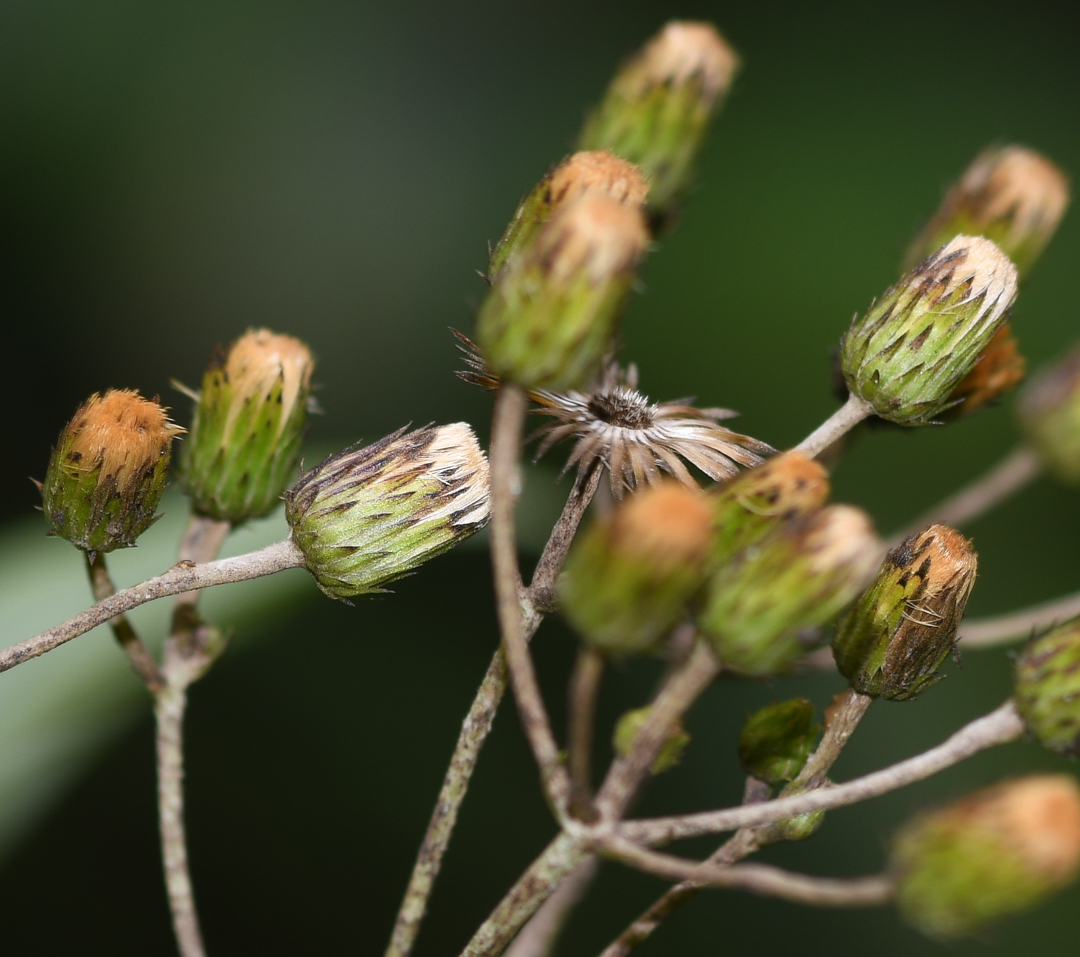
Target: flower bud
[586, 173]
[922, 337]
[107, 471]
[760, 606]
[671, 752]
[1049, 413]
[249, 421]
[370, 515]
[776, 740]
[1047, 688]
[1012, 195]
[629, 576]
[657, 109]
[797, 828]
[550, 318]
[893, 641]
[996, 852]
[999, 369]
[756, 501]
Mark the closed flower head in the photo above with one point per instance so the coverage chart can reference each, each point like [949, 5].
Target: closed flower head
[1047, 688]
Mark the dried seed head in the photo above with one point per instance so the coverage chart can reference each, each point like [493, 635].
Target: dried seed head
[551, 317]
[999, 369]
[762, 604]
[628, 578]
[776, 740]
[994, 853]
[897, 635]
[913, 347]
[671, 752]
[1012, 195]
[586, 173]
[1047, 688]
[248, 425]
[107, 471]
[657, 109]
[370, 515]
[1049, 413]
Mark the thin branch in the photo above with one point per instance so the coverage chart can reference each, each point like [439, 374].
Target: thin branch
[1011, 474]
[842, 717]
[757, 878]
[477, 725]
[1000, 726]
[182, 577]
[539, 935]
[143, 663]
[850, 414]
[982, 632]
[169, 712]
[509, 416]
[678, 693]
[584, 692]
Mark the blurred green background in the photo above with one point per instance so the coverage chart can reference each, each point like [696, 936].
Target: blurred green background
[176, 172]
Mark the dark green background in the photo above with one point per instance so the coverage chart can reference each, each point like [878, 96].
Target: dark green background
[175, 172]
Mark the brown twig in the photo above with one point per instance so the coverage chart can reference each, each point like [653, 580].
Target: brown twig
[538, 936]
[584, 692]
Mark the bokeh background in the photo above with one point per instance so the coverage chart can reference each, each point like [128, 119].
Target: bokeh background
[176, 172]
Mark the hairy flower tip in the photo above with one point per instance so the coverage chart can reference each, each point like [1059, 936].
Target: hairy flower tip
[107, 472]
[550, 318]
[993, 853]
[999, 369]
[637, 440]
[914, 345]
[1012, 195]
[1047, 688]
[657, 109]
[628, 578]
[585, 173]
[762, 607]
[903, 627]
[248, 425]
[372, 514]
[1049, 412]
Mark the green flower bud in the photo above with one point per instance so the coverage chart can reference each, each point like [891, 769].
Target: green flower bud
[999, 369]
[107, 471]
[776, 740]
[895, 638]
[994, 853]
[658, 107]
[550, 318]
[760, 607]
[245, 437]
[922, 337]
[586, 173]
[1047, 689]
[629, 577]
[792, 828]
[629, 727]
[368, 516]
[755, 502]
[1049, 413]
[1010, 194]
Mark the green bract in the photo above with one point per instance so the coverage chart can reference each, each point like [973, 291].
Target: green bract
[776, 740]
[370, 515]
[912, 348]
[1047, 689]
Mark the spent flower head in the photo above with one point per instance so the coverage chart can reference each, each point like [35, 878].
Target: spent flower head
[371, 514]
[107, 472]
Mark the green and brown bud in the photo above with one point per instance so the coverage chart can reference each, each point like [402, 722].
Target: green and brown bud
[249, 421]
[370, 515]
[1049, 413]
[586, 173]
[1012, 195]
[994, 853]
[671, 752]
[756, 501]
[107, 471]
[551, 317]
[776, 740]
[914, 345]
[629, 577]
[1047, 688]
[657, 109]
[899, 632]
[999, 369]
[762, 606]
